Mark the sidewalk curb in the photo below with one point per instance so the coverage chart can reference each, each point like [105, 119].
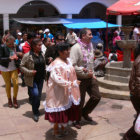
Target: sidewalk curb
[115, 96]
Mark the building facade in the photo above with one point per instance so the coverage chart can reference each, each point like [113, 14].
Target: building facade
[53, 8]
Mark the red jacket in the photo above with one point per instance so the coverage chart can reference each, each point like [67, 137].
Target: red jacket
[26, 47]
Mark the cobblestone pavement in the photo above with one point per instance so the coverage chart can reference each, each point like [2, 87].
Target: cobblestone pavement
[112, 118]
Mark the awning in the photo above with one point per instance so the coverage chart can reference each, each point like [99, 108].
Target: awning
[89, 23]
[124, 7]
[69, 23]
[40, 21]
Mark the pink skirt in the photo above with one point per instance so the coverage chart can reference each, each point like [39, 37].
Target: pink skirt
[72, 114]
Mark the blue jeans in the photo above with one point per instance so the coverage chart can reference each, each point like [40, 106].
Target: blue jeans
[36, 91]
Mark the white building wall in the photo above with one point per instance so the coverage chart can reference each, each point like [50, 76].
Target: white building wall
[68, 7]
[63, 6]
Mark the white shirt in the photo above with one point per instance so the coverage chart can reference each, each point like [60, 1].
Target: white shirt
[21, 45]
[135, 33]
[43, 48]
[110, 55]
[71, 38]
[11, 67]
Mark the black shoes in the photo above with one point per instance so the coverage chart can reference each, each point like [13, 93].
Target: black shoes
[38, 114]
[36, 118]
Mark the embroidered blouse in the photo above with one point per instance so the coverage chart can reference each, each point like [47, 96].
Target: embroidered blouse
[60, 92]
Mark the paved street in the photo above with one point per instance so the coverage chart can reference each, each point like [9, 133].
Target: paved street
[112, 118]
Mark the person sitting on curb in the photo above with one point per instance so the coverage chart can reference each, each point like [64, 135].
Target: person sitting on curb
[99, 63]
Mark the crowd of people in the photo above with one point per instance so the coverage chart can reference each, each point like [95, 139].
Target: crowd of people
[68, 66]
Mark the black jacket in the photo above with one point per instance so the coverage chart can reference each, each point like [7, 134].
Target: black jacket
[50, 52]
[4, 57]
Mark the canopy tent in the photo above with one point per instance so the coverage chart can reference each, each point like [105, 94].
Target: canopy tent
[69, 23]
[124, 7]
[88, 23]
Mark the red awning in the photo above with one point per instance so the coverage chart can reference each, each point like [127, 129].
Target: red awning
[124, 7]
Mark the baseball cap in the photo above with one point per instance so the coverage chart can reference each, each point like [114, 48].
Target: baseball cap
[47, 30]
[19, 33]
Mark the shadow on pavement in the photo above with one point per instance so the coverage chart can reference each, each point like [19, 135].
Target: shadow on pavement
[20, 102]
[3, 86]
[84, 122]
[122, 134]
[43, 96]
[42, 111]
[72, 135]
[6, 105]
[29, 114]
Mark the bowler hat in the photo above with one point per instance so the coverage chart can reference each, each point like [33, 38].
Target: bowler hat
[98, 53]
